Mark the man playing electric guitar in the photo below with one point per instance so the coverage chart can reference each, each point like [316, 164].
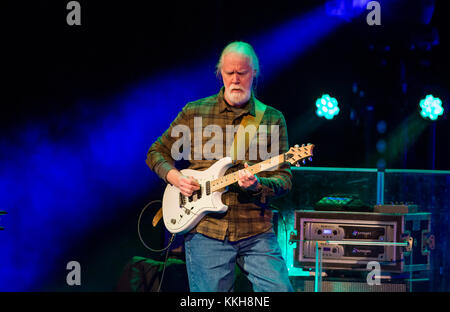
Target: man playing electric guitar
[243, 234]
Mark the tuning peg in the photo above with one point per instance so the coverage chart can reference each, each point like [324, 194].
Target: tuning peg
[310, 158]
[303, 161]
[296, 146]
[297, 164]
[303, 145]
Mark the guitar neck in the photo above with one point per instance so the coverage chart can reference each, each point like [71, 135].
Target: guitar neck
[231, 178]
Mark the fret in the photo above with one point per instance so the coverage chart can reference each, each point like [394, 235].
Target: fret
[231, 178]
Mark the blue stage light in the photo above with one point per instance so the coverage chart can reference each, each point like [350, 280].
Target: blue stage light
[57, 189]
[346, 9]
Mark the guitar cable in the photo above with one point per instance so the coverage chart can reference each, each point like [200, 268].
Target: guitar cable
[172, 238]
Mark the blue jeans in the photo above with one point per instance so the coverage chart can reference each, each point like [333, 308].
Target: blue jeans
[210, 263]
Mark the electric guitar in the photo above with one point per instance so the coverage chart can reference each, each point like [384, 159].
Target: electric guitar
[181, 213]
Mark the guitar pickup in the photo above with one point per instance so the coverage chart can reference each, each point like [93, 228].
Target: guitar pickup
[208, 187]
[199, 193]
[196, 195]
[182, 200]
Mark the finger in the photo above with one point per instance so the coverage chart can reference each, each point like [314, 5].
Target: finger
[248, 176]
[194, 182]
[241, 178]
[184, 182]
[245, 179]
[185, 193]
[190, 183]
[245, 165]
[193, 187]
[187, 189]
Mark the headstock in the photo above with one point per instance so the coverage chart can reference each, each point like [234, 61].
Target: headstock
[299, 153]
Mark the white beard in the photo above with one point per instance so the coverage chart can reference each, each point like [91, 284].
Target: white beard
[237, 98]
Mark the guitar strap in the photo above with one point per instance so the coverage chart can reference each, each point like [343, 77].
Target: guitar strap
[249, 125]
[157, 217]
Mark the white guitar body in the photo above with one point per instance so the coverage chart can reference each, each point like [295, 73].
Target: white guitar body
[180, 217]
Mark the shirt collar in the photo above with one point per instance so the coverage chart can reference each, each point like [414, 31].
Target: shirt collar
[248, 108]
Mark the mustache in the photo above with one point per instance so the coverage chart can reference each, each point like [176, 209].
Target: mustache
[234, 87]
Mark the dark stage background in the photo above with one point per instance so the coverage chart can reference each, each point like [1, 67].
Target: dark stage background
[82, 104]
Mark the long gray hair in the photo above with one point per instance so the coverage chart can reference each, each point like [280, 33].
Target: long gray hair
[241, 48]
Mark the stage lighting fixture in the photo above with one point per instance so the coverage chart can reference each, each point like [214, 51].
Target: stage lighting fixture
[381, 164]
[381, 127]
[431, 107]
[381, 146]
[327, 107]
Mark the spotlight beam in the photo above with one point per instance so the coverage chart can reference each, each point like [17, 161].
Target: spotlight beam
[57, 189]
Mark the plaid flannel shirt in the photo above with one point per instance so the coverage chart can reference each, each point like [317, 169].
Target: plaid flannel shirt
[248, 212]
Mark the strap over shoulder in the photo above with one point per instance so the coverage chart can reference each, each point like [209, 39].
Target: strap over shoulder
[249, 124]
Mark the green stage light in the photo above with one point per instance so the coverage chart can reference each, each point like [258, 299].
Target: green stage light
[327, 107]
[431, 107]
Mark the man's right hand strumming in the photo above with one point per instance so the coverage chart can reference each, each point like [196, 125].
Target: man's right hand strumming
[187, 185]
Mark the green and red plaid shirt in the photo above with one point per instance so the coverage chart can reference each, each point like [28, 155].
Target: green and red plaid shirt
[248, 212]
